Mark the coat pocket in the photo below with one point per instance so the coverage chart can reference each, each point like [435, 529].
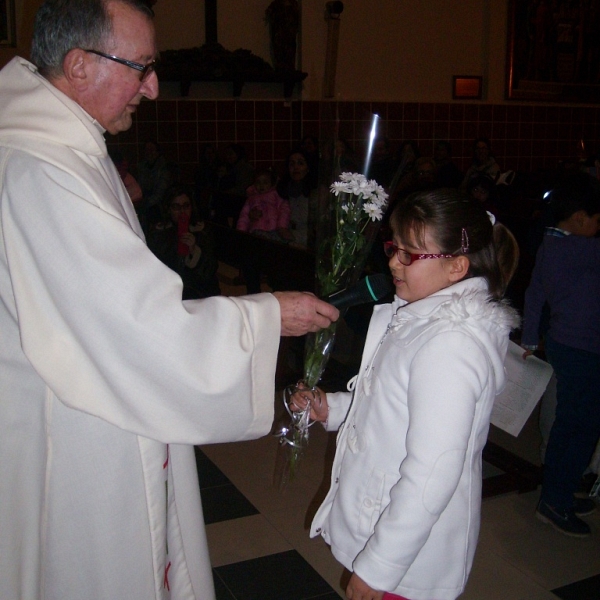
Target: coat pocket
[375, 500]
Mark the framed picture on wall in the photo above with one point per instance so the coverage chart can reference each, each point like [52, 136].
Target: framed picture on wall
[553, 51]
[7, 23]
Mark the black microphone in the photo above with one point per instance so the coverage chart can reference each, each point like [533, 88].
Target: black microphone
[369, 289]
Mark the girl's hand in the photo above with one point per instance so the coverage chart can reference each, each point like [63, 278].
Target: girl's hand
[189, 239]
[319, 409]
[357, 589]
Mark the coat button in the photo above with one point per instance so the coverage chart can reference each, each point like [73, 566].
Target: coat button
[318, 530]
[368, 503]
[337, 479]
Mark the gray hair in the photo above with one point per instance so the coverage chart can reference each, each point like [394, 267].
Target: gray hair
[62, 25]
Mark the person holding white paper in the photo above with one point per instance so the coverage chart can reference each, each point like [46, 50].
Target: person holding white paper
[566, 276]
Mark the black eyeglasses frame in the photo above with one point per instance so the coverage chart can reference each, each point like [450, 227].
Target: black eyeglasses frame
[145, 70]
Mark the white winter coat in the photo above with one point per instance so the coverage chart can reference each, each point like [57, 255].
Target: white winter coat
[101, 366]
[403, 510]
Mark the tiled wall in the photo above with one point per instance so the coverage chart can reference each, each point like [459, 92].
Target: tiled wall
[523, 137]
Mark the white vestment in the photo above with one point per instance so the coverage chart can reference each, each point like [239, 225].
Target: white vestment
[107, 378]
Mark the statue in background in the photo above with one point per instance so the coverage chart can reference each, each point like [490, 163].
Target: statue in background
[283, 17]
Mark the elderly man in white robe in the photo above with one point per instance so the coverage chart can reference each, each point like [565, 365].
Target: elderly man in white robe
[107, 378]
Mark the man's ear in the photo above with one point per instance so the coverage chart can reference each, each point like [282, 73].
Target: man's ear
[458, 268]
[75, 68]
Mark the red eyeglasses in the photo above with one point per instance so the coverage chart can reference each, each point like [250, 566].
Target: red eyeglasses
[406, 257]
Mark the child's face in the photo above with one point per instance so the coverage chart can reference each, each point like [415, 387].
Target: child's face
[263, 183]
[423, 277]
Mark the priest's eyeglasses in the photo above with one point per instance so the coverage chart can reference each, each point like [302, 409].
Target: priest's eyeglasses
[406, 257]
[145, 70]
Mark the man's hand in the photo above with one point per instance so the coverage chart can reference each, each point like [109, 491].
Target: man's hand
[302, 312]
[357, 589]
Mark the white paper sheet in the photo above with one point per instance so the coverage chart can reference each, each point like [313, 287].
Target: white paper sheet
[526, 381]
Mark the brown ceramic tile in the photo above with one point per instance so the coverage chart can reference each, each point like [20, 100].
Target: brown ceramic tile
[263, 110]
[395, 111]
[499, 113]
[310, 111]
[264, 130]
[455, 130]
[244, 130]
[146, 111]
[457, 112]
[280, 151]
[226, 110]
[147, 131]
[296, 131]
[187, 110]
[471, 130]
[526, 130]
[310, 128]
[167, 132]
[187, 131]
[485, 112]
[513, 113]
[441, 112]
[166, 110]
[207, 110]
[225, 131]
[498, 130]
[411, 130]
[244, 110]
[472, 112]
[362, 111]
[425, 130]
[346, 111]
[441, 130]
[207, 131]
[381, 109]
[282, 130]
[396, 130]
[346, 131]
[282, 111]
[426, 111]
[512, 131]
[411, 111]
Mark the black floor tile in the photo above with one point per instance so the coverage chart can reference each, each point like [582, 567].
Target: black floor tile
[221, 591]
[221, 500]
[209, 474]
[586, 589]
[283, 576]
[225, 502]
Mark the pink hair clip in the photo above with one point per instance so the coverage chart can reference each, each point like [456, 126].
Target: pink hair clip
[464, 242]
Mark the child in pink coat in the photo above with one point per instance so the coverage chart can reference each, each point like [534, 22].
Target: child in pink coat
[265, 211]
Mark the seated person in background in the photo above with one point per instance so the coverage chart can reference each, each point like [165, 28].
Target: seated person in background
[236, 175]
[449, 175]
[383, 162]
[206, 178]
[483, 162]
[482, 188]
[265, 212]
[344, 159]
[155, 179]
[183, 242]
[134, 191]
[296, 185]
[310, 146]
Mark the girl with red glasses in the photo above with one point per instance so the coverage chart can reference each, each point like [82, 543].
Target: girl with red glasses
[403, 510]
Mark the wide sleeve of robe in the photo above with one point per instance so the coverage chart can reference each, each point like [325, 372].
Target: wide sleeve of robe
[102, 322]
